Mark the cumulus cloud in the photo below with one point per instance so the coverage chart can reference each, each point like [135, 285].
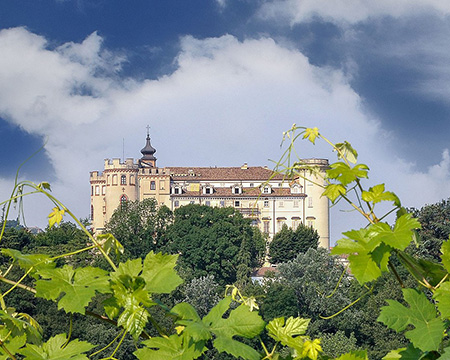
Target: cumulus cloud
[227, 102]
[343, 11]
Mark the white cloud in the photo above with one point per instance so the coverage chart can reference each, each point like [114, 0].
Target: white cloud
[345, 11]
[227, 103]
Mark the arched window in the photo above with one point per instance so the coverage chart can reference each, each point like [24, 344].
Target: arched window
[123, 200]
[123, 180]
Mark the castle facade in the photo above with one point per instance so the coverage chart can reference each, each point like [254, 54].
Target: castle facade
[257, 192]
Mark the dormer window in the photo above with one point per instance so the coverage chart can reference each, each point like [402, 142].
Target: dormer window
[296, 189]
[207, 190]
[237, 190]
[176, 190]
[266, 190]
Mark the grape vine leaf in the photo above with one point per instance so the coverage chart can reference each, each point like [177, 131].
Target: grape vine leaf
[55, 349]
[346, 150]
[367, 256]
[78, 285]
[11, 343]
[377, 194]
[173, 347]
[289, 333]
[442, 296]
[110, 243]
[400, 236]
[311, 134]
[354, 355]
[445, 257]
[311, 349]
[345, 174]
[19, 324]
[55, 217]
[27, 261]
[333, 191]
[428, 329]
[159, 273]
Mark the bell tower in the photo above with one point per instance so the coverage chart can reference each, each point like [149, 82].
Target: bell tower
[148, 159]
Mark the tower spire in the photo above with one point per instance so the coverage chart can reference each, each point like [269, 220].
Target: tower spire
[148, 158]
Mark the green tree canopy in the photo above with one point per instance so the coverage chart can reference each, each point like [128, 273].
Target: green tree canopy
[288, 243]
[435, 221]
[139, 226]
[214, 241]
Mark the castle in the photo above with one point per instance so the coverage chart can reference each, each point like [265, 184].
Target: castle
[257, 192]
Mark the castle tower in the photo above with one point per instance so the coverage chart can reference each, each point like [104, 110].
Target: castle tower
[148, 159]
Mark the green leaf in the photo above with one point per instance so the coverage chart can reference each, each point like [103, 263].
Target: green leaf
[37, 261]
[110, 243]
[393, 354]
[19, 324]
[54, 349]
[311, 134]
[354, 355]
[377, 194]
[399, 237]
[289, 333]
[159, 273]
[445, 257]
[173, 347]
[442, 296]
[421, 268]
[79, 286]
[56, 216]
[241, 322]
[13, 344]
[333, 191]
[429, 330]
[345, 174]
[364, 268]
[346, 150]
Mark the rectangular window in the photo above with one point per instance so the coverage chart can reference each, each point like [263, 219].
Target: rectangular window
[310, 202]
[236, 190]
[266, 203]
[207, 190]
[192, 202]
[97, 190]
[237, 203]
[296, 203]
[280, 224]
[103, 189]
[266, 227]
[266, 190]
[252, 185]
[280, 204]
[123, 180]
[222, 203]
[208, 203]
[152, 185]
[177, 203]
[176, 190]
[295, 224]
[161, 185]
[92, 190]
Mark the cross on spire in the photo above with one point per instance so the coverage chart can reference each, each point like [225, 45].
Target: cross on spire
[148, 130]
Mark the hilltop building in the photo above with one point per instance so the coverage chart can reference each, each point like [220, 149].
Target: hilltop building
[258, 193]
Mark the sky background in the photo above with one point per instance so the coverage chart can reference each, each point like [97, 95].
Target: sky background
[218, 81]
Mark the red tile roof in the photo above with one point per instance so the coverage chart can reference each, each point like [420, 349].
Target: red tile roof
[256, 173]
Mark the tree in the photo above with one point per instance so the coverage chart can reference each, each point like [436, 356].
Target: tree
[214, 241]
[139, 226]
[288, 243]
[435, 221]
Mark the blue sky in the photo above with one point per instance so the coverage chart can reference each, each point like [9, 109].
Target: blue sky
[219, 81]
